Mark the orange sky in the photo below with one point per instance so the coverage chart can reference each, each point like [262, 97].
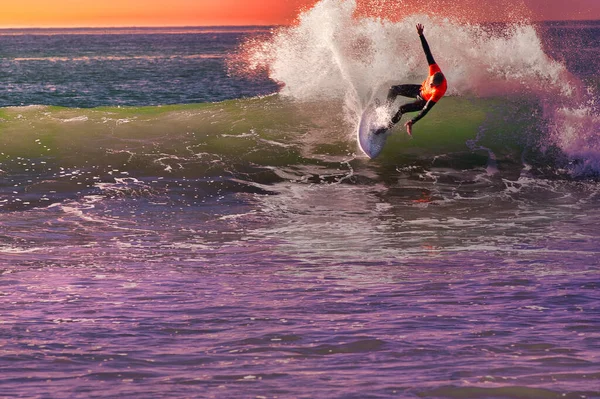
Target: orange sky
[92, 13]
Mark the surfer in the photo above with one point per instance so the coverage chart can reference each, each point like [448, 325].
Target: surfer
[427, 94]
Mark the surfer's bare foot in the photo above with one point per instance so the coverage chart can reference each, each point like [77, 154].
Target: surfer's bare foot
[409, 127]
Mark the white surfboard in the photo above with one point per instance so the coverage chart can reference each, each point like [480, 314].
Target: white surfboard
[374, 119]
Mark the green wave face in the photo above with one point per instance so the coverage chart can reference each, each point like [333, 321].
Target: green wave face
[50, 153]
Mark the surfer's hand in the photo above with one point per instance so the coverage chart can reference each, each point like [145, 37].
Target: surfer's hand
[420, 28]
[409, 127]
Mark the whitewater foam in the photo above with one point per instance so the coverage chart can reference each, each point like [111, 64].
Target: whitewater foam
[340, 53]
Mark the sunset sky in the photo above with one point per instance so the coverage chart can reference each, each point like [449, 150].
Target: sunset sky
[84, 13]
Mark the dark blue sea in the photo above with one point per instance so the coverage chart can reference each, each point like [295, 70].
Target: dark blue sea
[84, 68]
[185, 212]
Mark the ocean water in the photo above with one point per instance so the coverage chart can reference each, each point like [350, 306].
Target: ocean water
[185, 213]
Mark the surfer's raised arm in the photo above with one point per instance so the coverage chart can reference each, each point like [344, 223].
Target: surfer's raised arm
[426, 49]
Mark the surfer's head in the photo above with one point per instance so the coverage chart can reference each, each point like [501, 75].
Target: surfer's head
[438, 79]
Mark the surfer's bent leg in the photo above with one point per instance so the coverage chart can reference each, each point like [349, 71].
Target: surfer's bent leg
[411, 91]
[410, 107]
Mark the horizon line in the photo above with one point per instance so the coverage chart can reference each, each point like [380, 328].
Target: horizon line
[226, 25]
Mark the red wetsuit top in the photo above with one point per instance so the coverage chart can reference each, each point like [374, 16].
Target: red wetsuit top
[433, 93]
